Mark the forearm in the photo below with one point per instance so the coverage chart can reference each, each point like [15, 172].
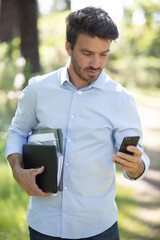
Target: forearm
[16, 162]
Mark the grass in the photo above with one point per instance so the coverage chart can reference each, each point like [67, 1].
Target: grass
[13, 206]
[131, 224]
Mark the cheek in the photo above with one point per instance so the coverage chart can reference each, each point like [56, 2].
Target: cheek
[83, 61]
[103, 62]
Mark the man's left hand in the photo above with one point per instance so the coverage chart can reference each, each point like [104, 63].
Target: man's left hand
[132, 164]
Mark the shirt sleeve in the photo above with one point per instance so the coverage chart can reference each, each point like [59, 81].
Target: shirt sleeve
[128, 124]
[23, 122]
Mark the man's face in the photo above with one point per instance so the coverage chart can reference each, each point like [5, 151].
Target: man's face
[88, 58]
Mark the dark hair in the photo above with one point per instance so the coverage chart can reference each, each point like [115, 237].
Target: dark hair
[90, 20]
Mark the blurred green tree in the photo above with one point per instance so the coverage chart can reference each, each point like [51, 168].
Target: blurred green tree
[139, 48]
[143, 36]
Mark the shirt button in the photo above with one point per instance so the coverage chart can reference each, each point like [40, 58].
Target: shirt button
[69, 140]
[65, 188]
[72, 116]
[67, 164]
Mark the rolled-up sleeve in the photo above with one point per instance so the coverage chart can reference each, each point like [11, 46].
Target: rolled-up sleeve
[129, 124]
[23, 122]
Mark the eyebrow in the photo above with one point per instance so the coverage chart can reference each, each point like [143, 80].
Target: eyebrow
[87, 50]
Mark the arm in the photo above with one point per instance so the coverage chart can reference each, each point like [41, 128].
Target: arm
[26, 178]
[128, 124]
[23, 122]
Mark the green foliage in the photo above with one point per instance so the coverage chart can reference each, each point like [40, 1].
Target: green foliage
[9, 53]
[2, 147]
[140, 46]
[13, 206]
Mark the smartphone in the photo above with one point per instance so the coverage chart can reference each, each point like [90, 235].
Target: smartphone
[132, 140]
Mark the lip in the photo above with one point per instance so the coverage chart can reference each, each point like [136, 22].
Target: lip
[92, 72]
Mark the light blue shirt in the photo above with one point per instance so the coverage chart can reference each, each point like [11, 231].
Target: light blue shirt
[94, 121]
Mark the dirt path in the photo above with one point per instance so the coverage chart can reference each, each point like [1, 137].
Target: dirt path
[147, 190]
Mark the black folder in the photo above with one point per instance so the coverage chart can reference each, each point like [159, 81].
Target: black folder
[35, 156]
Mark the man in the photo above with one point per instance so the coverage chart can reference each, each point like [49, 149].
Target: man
[95, 114]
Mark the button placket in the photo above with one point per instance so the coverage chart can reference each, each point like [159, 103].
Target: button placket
[70, 138]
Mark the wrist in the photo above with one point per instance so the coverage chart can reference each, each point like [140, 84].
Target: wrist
[137, 172]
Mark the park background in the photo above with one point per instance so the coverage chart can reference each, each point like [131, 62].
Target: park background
[33, 43]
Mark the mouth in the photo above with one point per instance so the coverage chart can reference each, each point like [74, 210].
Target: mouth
[92, 72]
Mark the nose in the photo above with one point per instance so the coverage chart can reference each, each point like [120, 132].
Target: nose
[95, 62]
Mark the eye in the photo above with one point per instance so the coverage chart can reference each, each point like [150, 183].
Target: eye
[86, 53]
[104, 54]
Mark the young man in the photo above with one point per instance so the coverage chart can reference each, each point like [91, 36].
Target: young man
[95, 114]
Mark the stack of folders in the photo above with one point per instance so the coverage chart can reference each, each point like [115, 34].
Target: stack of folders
[45, 148]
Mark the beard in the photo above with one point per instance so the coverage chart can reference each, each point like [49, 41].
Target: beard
[83, 73]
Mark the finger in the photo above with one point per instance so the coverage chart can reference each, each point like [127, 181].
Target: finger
[115, 159]
[124, 165]
[135, 150]
[135, 159]
[128, 157]
[124, 162]
[34, 190]
[119, 162]
[30, 185]
[38, 192]
[125, 168]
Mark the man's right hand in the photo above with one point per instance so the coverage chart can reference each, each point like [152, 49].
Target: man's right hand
[26, 178]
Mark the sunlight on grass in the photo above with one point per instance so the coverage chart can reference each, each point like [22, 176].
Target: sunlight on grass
[129, 224]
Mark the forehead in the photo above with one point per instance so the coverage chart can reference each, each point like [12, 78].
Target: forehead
[94, 44]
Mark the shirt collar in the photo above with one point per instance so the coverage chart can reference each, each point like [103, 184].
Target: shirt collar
[64, 75]
[99, 83]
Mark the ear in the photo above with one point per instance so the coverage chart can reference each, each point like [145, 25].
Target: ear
[68, 48]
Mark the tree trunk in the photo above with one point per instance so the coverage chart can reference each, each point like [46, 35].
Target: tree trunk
[68, 4]
[8, 20]
[29, 33]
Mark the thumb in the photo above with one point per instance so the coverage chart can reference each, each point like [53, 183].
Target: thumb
[40, 170]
